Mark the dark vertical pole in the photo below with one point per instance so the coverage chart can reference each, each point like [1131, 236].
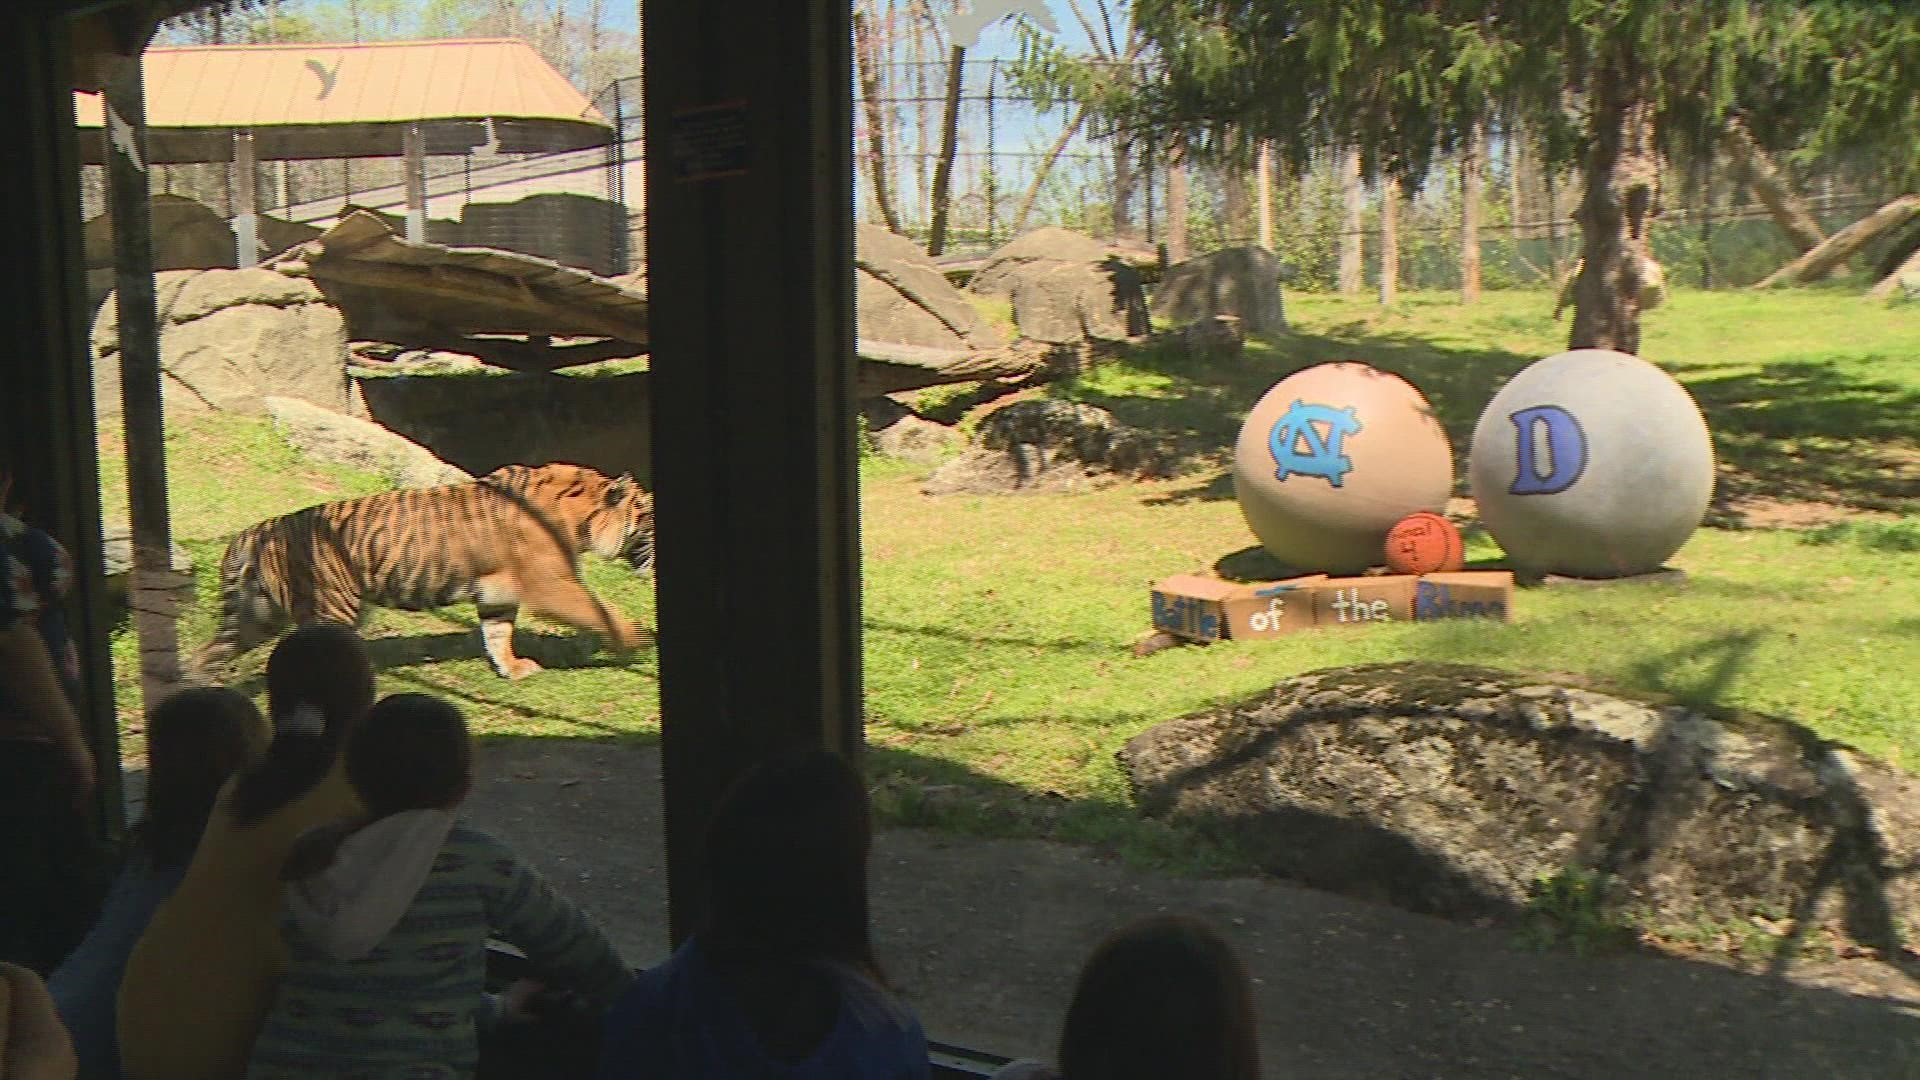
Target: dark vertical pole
[128, 199]
[750, 250]
[46, 414]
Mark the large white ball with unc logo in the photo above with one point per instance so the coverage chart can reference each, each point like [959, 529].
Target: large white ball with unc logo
[1330, 458]
[1591, 463]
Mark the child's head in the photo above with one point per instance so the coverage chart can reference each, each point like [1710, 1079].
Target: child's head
[196, 739]
[319, 685]
[323, 670]
[410, 753]
[787, 861]
[1162, 997]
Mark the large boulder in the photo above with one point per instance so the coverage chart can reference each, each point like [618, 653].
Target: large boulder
[1065, 287]
[362, 444]
[899, 432]
[900, 295]
[231, 338]
[1240, 281]
[1456, 790]
[1047, 445]
[187, 235]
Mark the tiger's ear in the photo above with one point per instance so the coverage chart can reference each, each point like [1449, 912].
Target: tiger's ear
[622, 489]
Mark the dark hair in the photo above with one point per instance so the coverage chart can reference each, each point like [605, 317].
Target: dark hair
[1162, 997]
[323, 667]
[410, 753]
[196, 740]
[787, 864]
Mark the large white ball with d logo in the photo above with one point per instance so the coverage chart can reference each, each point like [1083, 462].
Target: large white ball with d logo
[1592, 464]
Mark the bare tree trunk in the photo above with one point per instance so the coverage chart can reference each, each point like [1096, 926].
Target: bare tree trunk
[1263, 192]
[867, 56]
[1842, 245]
[1177, 206]
[1237, 208]
[923, 117]
[1123, 185]
[1046, 166]
[1389, 240]
[1471, 164]
[1909, 267]
[1755, 169]
[1350, 249]
[1615, 211]
[949, 137]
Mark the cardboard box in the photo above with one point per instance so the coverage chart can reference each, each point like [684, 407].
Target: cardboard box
[1272, 608]
[1464, 594]
[1364, 601]
[1209, 609]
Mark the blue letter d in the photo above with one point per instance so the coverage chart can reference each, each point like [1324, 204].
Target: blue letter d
[1566, 450]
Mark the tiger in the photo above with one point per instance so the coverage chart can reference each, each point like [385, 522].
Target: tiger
[510, 538]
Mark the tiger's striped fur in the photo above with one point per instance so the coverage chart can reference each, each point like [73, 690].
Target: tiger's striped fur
[511, 538]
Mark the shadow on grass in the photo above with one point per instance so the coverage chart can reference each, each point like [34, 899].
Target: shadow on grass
[1791, 431]
[942, 632]
[1804, 431]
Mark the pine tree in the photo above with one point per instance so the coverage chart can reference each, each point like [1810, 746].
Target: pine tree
[1605, 84]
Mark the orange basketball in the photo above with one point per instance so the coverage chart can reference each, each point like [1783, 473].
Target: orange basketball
[1424, 543]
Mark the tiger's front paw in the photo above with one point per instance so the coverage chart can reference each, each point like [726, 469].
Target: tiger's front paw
[520, 667]
[629, 636]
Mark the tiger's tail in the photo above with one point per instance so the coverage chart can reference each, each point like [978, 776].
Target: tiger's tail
[248, 616]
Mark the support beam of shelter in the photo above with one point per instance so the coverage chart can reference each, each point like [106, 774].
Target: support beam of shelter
[46, 411]
[750, 248]
[414, 155]
[246, 205]
[129, 201]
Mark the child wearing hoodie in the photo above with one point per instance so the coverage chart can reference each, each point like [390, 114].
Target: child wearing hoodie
[388, 916]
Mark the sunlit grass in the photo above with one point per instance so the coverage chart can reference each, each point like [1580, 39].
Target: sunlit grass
[999, 676]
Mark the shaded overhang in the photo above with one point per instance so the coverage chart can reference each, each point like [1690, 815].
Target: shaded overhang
[318, 101]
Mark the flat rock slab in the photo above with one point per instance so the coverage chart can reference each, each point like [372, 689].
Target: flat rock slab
[1453, 790]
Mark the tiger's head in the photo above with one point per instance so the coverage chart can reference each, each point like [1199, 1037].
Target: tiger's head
[611, 516]
[622, 528]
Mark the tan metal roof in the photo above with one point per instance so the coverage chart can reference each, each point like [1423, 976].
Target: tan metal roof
[306, 100]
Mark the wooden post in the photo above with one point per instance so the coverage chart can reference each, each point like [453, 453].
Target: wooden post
[246, 215]
[750, 246]
[416, 169]
[152, 599]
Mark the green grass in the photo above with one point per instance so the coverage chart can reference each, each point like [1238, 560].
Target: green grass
[997, 630]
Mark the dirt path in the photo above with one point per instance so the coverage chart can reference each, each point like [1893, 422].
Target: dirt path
[985, 936]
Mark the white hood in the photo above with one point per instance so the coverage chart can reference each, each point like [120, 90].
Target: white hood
[347, 908]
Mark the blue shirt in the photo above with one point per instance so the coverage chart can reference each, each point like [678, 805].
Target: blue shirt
[678, 1020]
[87, 983]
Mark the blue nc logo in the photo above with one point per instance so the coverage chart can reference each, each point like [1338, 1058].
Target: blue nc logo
[1566, 449]
[1308, 441]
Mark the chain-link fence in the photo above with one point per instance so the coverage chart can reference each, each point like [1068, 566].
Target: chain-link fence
[1019, 163]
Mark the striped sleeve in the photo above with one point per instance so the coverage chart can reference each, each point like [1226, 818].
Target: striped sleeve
[565, 946]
